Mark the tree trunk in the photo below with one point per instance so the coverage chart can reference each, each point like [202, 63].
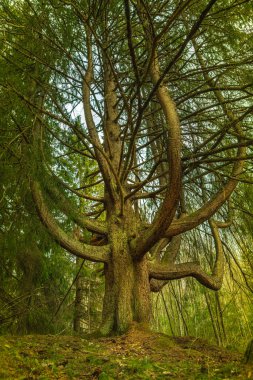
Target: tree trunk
[79, 311]
[127, 295]
[127, 290]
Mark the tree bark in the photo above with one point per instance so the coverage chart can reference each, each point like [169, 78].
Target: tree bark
[127, 289]
[127, 295]
[79, 300]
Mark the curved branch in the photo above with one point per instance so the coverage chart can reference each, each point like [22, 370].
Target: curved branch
[68, 208]
[193, 269]
[168, 208]
[188, 222]
[85, 251]
[169, 257]
[180, 51]
[179, 271]
[101, 157]
[105, 163]
[218, 271]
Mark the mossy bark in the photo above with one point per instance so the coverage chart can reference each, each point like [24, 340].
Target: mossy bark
[127, 295]
[127, 290]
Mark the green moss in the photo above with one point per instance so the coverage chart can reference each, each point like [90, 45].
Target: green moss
[163, 342]
[134, 357]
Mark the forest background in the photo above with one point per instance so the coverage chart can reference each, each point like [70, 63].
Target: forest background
[205, 55]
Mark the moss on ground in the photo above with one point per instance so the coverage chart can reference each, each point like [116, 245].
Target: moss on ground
[136, 355]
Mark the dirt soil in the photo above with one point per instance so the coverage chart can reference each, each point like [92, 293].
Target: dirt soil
[137, 355]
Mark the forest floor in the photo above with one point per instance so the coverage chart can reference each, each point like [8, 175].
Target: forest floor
[136, 355]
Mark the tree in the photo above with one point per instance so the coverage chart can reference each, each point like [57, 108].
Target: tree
[152, 97]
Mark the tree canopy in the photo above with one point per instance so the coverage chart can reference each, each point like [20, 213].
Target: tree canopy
[127, 124]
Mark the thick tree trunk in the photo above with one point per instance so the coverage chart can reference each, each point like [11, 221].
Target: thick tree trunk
[127, 295]
[127, 290]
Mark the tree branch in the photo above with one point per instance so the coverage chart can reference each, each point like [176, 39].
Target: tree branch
[69, 209]
[95, 254]
[167, 258]
[167, 211]
[193, 269]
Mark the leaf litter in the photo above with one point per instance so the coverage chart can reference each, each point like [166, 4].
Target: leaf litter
[139, 354]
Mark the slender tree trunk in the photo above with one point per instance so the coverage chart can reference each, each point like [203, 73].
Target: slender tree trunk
[216, 333]
[167, 313]
[79, 300]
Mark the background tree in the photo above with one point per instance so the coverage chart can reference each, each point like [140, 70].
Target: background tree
[165, 91]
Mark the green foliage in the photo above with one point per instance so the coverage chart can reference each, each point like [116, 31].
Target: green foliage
[42, 64]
